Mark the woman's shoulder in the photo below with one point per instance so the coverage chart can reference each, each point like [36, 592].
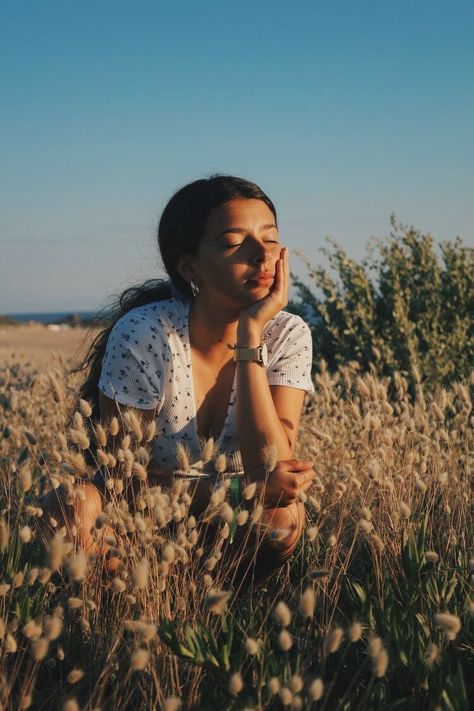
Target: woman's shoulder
[284, 324]
[163, 314]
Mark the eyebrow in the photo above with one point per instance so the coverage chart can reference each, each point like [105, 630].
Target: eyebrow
[241, 230]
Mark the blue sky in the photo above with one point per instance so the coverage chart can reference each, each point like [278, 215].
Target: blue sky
[342, 112]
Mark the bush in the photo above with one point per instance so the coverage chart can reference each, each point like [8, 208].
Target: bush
[413, 316]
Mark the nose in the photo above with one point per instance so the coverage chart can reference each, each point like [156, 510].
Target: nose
[263, 253]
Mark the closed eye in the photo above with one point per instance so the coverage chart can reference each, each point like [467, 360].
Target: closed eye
[267, 241]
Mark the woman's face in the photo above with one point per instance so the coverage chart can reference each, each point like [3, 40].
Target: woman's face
[240, 241]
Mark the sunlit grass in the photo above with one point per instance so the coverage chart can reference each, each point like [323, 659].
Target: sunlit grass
[374, 607]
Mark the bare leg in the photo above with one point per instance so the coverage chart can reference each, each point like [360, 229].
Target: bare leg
[255, 555]
[79, 520]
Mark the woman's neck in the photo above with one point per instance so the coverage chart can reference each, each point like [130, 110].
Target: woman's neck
[211, 329]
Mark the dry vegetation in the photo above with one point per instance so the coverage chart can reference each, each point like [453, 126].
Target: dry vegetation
[374, 610]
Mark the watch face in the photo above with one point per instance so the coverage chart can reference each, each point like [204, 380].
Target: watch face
[264, 355]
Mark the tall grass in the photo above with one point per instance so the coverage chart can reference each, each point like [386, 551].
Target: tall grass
[374, 610]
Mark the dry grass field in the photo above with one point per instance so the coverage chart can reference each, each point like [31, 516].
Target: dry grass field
[37, 345]
[373, 611]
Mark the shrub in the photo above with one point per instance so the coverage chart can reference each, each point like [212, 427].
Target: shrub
[405, 307]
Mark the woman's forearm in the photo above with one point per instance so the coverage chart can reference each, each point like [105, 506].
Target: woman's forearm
[258, 423]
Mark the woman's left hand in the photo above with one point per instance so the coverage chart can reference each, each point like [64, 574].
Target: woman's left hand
[260, 312]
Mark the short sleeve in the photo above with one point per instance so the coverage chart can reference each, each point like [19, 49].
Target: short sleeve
[133, 367]
[291, 354]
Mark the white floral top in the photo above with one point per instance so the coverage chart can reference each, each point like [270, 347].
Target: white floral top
[147, 364]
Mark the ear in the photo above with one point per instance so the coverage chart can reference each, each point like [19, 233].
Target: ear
[186, 268]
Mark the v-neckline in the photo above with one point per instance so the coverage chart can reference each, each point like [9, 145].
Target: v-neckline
[193, 395]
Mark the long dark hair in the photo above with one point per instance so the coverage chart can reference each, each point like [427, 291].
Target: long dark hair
[180, 231]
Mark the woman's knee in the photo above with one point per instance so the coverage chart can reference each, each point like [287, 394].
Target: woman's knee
[75, 510]
[285, 526]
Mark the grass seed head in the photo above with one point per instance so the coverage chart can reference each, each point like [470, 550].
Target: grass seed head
[311, 533]
[25, 480]
[75, 675]
[380, 663]
[25, 534]
[242, 517]
[405, 511]
[133, 425]
[365, 526]
[183, 457]
[71, 705]
[32, 630]
[216, 602]
[114, 426]
[333, 640]
[235, 684]
[168, 553]
[285, 640]
[85, 408]
[270, 457]
[450, 624]
[296, 683]
[286, 697]
[283, 614]
[257, 513]
[227, 512]
[52, 627]
[139, 659]
[207, 450]
[374, 646]
[40, 649]
[4, 534]
[355, 632]
[432, 655]
[307, 603]
[140, 574]
[249, 491]
[77, 566]
[220, 464]
[150, 431]
[11, 645]
[316, 689]
[251, 646]
[74, 603]
[273, 685]
[18, 580]
[100, 435]
[119, 585]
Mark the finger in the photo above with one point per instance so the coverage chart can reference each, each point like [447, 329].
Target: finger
[281, 271]
[279, 274]
[287, 265]
[297, 465]
[304, 477]
[305, 486]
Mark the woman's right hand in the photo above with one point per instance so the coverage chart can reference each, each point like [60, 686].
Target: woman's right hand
[283, 485]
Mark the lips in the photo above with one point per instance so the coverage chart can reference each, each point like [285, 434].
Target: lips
[261, 276]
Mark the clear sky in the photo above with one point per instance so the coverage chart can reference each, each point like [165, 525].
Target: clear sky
[343, 112]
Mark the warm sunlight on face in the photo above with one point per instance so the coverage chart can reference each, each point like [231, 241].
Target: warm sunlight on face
[240, 242]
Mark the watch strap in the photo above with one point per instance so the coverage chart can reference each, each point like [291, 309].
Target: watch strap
[247, 353]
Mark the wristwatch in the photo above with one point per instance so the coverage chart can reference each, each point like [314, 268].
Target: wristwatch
[257, 354]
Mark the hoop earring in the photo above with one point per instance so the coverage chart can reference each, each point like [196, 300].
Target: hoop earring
[194, 288]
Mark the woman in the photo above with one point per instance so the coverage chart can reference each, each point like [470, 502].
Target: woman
[212, 354]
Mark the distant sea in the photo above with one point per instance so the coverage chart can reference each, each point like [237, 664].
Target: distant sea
[52, 317]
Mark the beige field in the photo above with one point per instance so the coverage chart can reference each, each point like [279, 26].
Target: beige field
[39, 346]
